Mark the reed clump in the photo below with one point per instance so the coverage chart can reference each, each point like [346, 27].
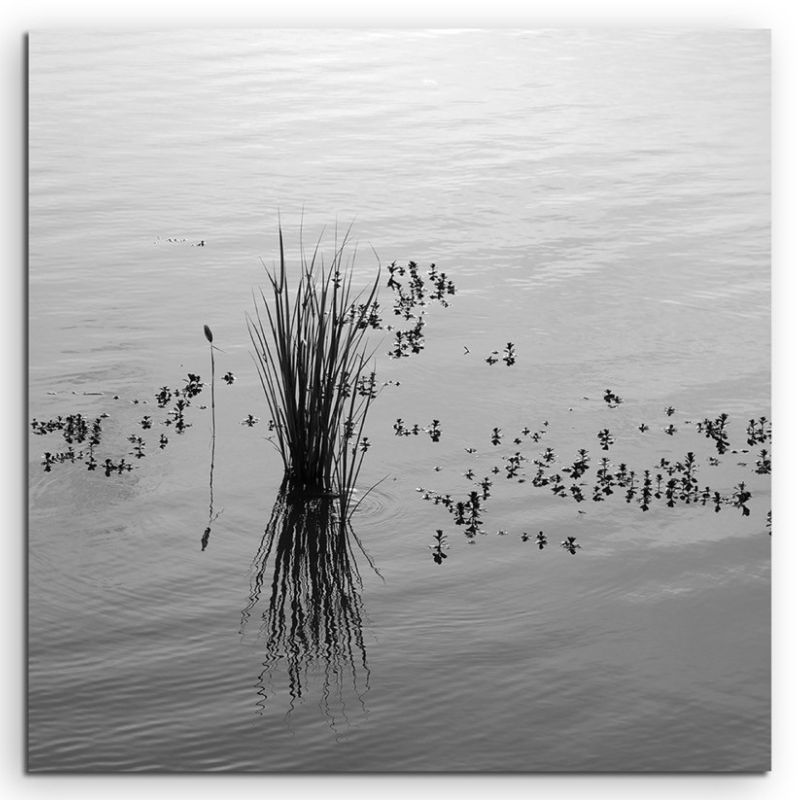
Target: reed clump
[313, 356]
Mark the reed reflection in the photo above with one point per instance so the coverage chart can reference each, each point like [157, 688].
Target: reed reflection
[312, 619]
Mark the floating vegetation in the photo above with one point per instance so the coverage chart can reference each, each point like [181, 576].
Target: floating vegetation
[606, 440]
[74, 427]
[579, 466]
[758, 431]
[672, 482]
[439, 546]
[412, 291]
[408, 342]
[764, 463]
[138, 445]
[193, 385]
[433, 430]
[739, 497]
[605, 481]
[570, 545]
[612, 400]
[366, 315]
[78, 429]
[513, 464]
[176, 415]
[365, 386]
[715, 429]
[175, 240]
[48, 459]
[509, 356]
[534, 435]
[316, 369]
[163, 397]
[119, 467]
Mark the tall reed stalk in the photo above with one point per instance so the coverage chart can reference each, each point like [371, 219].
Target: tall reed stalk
[211, 517]
[312, 356]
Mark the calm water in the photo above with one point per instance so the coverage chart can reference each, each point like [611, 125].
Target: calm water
[601, 199]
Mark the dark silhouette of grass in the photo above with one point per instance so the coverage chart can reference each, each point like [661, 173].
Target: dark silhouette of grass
[312, 357]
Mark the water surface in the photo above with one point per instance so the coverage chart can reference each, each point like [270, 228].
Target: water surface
[601, 199]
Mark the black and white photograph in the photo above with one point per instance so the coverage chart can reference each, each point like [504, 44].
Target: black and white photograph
[399, 400]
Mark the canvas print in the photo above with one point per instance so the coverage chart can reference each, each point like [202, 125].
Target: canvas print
[399, 401]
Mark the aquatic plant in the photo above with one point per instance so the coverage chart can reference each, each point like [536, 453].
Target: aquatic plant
[210, 337]
[756, 432]
[606, 440]
[672, 482]
[570, 545]
[312, 358]
[77, 429]
[764, 463]
[211, 515]
[439, 546]
[612, 399]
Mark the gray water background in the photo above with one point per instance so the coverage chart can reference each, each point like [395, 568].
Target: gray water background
[601, 198]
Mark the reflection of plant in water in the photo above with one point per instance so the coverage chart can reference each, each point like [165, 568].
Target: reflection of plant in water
[313, 617]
